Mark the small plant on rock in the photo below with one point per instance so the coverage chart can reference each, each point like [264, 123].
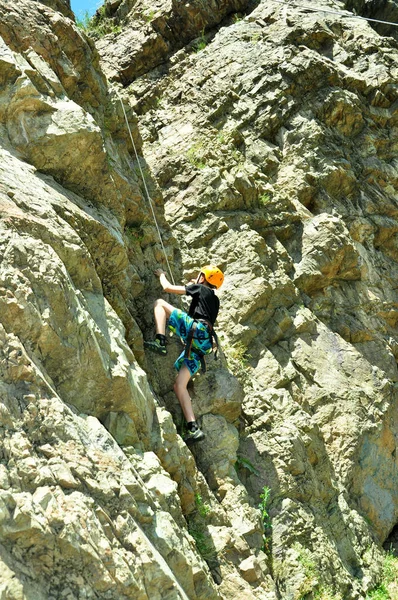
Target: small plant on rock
[238, 359]
[264, 199]
[266, 519]
[244, 463]
[310, 572]
[134, 234]
[201, 43]
[202, 508]
[388, 588]
[148, 16]
[221, 138]
[203, 545]
[327, 593]
[255, 38]
[142, 172]
[197, 527]
[196, 155]
[311, 581]
[159, 102]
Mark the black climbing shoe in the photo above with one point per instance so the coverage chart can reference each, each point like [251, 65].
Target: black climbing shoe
[156, 346]
[193, 436]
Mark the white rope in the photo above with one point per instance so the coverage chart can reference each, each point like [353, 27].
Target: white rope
[146, 191]
[287, 4]
[334, 12]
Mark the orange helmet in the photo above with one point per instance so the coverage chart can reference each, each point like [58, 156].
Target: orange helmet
[213, 275]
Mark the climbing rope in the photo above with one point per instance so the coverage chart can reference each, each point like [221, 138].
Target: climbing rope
[286, 3]
[147, 192]
[333, 12]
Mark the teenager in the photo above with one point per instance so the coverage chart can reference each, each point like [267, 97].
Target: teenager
[195, 328]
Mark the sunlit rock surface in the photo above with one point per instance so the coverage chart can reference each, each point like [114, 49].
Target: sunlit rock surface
[267, 137]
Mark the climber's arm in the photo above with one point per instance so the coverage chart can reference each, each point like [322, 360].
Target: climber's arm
[167, 286]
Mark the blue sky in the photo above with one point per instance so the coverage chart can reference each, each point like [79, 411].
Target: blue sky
[80, 7]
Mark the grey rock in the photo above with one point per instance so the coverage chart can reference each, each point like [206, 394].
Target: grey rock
[267, 139]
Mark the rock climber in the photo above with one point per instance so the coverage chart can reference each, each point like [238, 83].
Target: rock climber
[195, 329]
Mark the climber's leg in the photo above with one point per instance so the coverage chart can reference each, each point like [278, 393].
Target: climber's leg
[194, 433]
[162, 310]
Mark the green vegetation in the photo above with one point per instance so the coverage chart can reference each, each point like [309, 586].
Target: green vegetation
[198, 529]
[244, 463]
[226, 142]
[203, 544]
[238, 352]
[255, 38]
[326, 593]
[389, 579]
[222, 138]
[309, 568]
[237, 156]
[134, 234]
[238, 359]
[214, 148]
[148, 16]
[266, 519]
[381, 593]
[200, 43]
[264, 199]
[84, 21]
[310, 583]
[202, 508]
[142, 172]
[196, 155]
[159, 102]
[98, 25]
[207, 148]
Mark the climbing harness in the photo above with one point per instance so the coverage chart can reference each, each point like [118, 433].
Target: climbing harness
[215, 277]
[333, 12]
[146, 191]
[190, 338]
[188, 347]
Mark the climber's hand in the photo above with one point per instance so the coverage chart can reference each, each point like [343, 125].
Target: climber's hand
[160, 272]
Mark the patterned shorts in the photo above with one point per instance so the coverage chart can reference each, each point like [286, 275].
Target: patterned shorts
[181, 323]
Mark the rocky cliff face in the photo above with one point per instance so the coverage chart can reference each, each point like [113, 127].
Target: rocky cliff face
[267, 137]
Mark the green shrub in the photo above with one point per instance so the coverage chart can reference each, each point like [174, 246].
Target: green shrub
[197, 527]
[202, 541]
[327, 593]
[196, 155]
[134, 234]
[238, 359]
[311, 582]
[84, 21]
[202, 508]
[98, 25]
[266, 519]
[264, 199]
[389, 576]
[200, 43]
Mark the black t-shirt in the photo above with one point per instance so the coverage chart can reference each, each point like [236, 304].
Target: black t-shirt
[205, 304]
